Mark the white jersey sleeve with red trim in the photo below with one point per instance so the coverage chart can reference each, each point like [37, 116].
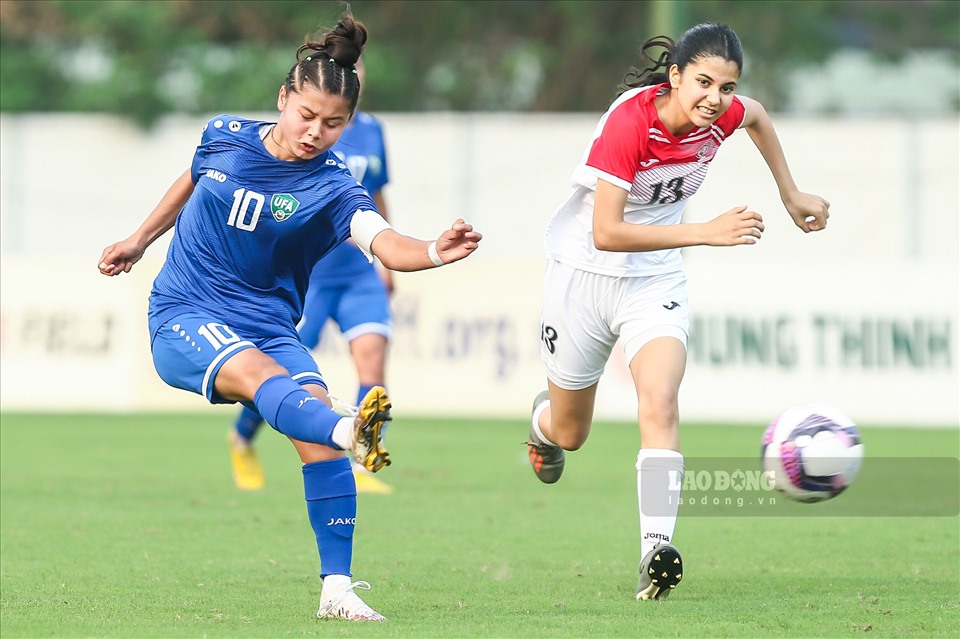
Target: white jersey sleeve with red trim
[620, 144]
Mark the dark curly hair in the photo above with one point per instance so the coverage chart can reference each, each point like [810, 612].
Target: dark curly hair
[328, 63]
[706, 40]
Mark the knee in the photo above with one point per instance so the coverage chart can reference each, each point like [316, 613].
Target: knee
[254, 377]
[659, 406]
[258, 376]
[369, 351]
[569, 440]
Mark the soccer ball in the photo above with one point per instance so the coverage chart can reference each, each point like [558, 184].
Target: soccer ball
[811, 452]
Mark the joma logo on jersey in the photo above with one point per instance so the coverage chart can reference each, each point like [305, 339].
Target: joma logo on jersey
[283, 205]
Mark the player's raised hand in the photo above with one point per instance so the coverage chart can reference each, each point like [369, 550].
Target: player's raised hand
[809, 212]
[457, 242]
[120, 257]
[736, 226]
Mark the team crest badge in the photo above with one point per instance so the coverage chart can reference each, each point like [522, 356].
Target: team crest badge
[283, 205]
[706, 152]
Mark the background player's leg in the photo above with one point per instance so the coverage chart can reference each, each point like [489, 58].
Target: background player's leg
[369, 353]
[248, 423]
[247, 472]
[363, 314]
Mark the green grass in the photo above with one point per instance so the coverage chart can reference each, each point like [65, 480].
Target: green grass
[129, 526]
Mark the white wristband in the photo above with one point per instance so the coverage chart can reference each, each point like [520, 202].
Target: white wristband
[434, 255]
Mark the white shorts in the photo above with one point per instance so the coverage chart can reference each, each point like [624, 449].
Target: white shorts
[583, 315]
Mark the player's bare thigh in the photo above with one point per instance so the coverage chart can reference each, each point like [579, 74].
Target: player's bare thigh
[241, 375]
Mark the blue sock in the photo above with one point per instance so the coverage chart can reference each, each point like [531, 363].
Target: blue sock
[290, 409]
[248, 423]
[331, 494]
[364, 389]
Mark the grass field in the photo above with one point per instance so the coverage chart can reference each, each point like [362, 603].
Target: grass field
[129, 526]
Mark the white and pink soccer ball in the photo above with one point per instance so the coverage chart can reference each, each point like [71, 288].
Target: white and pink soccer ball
[812, 452]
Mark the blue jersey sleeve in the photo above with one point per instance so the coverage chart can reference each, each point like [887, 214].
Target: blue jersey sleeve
[211, 131]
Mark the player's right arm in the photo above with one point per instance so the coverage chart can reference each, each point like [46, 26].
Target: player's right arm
[121, 256]
[612, 233]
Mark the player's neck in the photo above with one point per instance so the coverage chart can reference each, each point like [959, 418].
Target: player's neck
[275, 148]
[670, 115]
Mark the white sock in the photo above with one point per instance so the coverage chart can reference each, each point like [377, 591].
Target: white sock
[342, 434]
[659, 476]
[333, 585]
[535, 422]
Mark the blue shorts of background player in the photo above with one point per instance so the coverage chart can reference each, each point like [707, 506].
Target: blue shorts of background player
[359, 307]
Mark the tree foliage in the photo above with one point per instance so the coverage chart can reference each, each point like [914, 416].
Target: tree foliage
[146, 59]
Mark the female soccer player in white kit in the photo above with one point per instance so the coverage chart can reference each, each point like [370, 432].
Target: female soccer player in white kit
[614, 265]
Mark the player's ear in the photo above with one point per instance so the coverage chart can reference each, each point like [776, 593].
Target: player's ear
[282, 98]
[674, 75]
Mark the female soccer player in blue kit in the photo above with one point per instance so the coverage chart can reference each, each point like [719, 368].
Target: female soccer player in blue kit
[347, 288]
[260, 204]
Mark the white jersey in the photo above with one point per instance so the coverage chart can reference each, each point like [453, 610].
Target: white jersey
[633, 150]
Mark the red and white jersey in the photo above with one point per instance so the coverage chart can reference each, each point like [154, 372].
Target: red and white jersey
[632, 149]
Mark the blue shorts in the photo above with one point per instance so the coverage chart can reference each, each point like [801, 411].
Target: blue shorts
[358, 306]
[189, 350]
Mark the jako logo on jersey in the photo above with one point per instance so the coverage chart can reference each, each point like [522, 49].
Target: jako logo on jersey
[671, 306]
[214, 174]
[283, 205]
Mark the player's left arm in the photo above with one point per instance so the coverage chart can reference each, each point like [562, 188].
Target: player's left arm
[386, 275]
[399, 252]
[809, 212]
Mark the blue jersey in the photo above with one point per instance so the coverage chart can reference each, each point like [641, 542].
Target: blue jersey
[362, 149]
[252, 230]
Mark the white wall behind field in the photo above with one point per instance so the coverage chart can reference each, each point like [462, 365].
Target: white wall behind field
[863, 315]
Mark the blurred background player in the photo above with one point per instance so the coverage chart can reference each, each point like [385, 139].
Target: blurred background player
[259, 205]
[344, 287]
[615, 270]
